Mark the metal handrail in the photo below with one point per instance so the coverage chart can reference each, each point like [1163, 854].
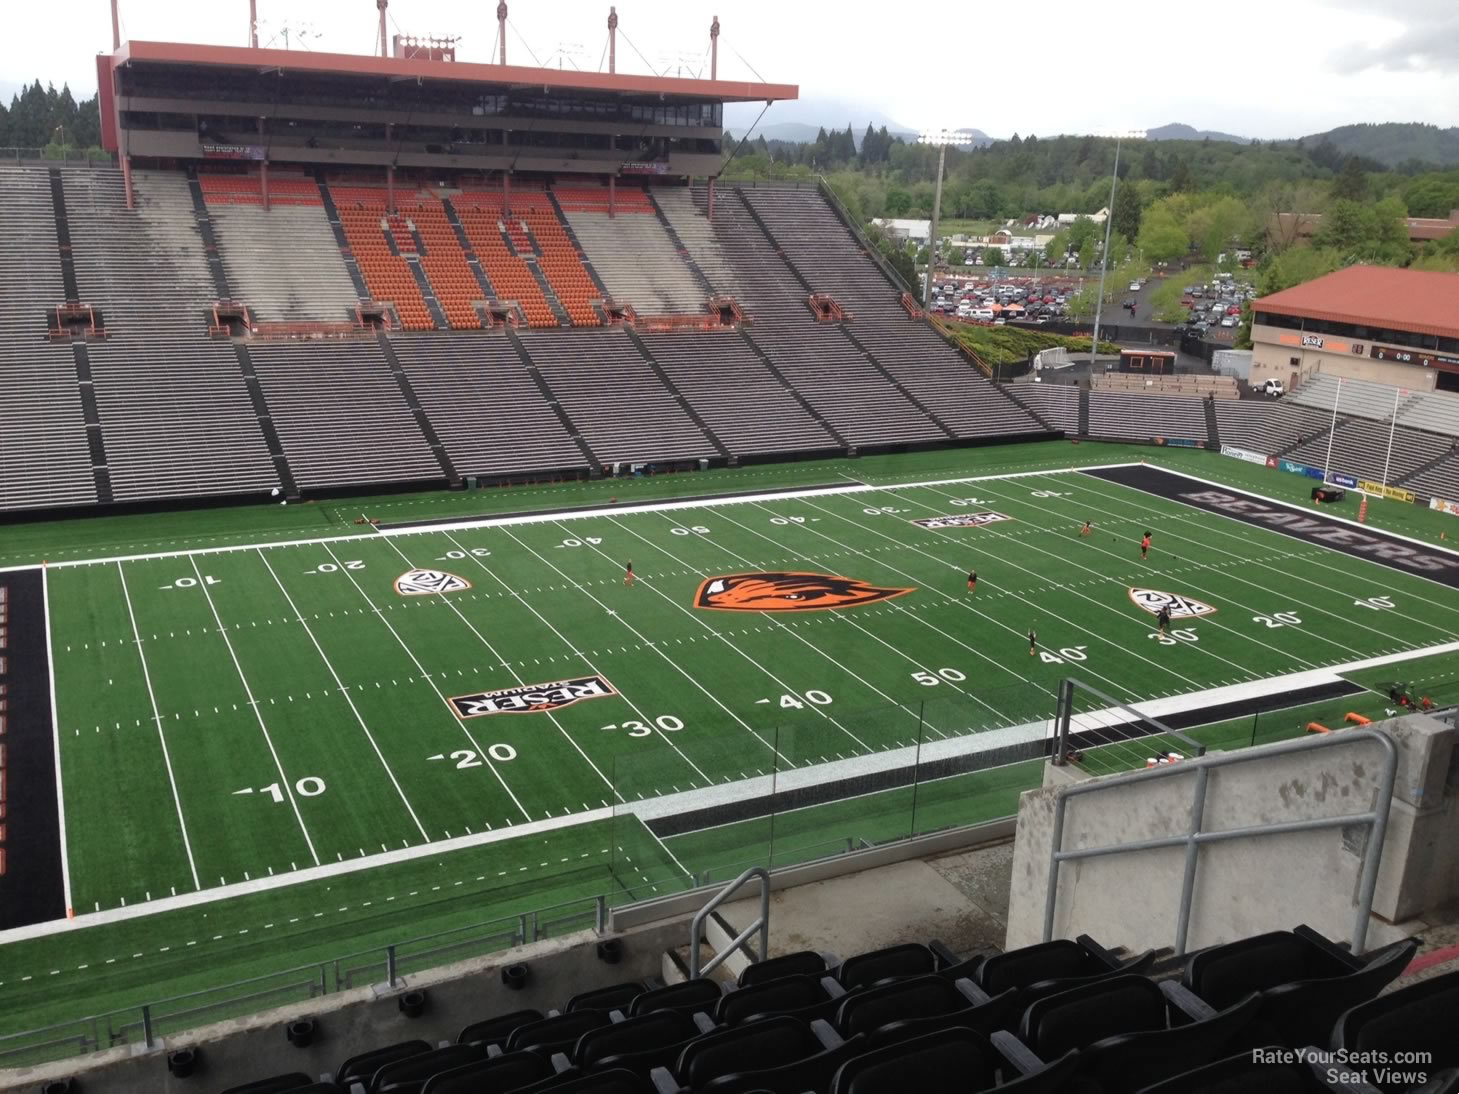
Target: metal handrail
[1375, 819]
[761, 924]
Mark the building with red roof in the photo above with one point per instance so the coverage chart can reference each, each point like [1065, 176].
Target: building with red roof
[1375, 323]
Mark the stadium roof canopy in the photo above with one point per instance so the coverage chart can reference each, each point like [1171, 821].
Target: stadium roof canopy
[1421, 301]
[488, 77]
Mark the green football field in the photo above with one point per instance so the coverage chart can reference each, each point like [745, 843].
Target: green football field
[281, 751]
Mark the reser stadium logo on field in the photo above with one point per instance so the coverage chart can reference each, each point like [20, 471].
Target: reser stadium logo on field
[960, 520]
[531, 698]
[428, 582]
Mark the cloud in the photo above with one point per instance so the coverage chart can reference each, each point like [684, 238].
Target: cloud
[1428, 40]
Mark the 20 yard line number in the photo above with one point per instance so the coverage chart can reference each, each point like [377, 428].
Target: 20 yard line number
[466, 758]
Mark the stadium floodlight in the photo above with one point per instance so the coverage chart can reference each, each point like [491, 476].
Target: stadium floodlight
[941, 138]
[1109, 219]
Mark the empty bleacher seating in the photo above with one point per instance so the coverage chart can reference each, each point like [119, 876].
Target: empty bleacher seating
[340, 415]
[175, 414]
[481, 217]
[918, 1019]
[631, 253]
[283, 262]
[362, 214]
[44, 460]
[1143, 417]
[685, 211]
[614, 398]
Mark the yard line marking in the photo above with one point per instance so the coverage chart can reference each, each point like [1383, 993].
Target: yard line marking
[1233, 575]
[666, 658]
[896, 608]
[553, 516]
[780, 625]
[257, 712]
[480, 752]
[591, 667]
[56, 736]
[162, 737]
[345, 692]
[1186, 515]
[724, 636]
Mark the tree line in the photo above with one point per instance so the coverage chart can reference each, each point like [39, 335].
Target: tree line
[40, 117]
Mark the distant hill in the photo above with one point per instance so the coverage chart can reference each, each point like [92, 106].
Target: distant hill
[1392, 143]
[1176, 131]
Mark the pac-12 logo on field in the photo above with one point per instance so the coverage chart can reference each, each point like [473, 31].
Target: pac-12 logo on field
[961, 520]
[1181, 607]
[424, 582]
[782, 591]
[531, 698]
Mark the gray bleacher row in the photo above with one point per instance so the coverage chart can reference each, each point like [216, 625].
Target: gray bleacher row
[1435, 411]
[284, 262]
[638, 262]
[44, 459]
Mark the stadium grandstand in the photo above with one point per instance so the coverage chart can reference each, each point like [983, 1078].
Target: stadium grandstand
[802, 710]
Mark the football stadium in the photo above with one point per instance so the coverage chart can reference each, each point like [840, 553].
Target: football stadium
[460, 556]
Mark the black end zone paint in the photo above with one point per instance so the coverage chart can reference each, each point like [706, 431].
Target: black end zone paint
[1290, 520]
[31, 888]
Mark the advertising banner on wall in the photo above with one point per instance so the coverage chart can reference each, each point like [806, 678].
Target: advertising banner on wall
[1243, 454]
[1444, 505]
[1397, 493]
[1176, 442]
[1343, 480]
[1300, 469]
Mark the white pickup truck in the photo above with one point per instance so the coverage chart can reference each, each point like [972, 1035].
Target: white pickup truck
[1271, 387]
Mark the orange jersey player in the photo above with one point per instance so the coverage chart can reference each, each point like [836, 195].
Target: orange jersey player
[1145, 546]
[628, 575]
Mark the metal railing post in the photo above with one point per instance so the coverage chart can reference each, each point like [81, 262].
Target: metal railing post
[1064, 712]
[147, 1024]
[1192, 853]
[1374, 851]
[1056, 849]
[600, 913]
[522, 929]
[390, 965]
[761, 925]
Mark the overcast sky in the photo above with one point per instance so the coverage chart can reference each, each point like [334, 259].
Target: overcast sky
[1261, 68]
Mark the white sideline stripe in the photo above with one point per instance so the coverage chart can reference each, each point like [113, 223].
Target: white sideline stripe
[577, 514]
[161, 736]
[726, 793]
[56, 739]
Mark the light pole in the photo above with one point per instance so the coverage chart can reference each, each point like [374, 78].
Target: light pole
[941, 138]
[1109, 219]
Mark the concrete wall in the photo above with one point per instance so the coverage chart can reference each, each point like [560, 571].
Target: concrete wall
[1248, 885]
[352, 1022]
[1272, 359]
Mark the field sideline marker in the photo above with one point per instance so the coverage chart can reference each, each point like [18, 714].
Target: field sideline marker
[668, 804]
[56, 741]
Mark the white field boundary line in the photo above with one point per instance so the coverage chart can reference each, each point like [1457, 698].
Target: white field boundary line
[56, 741]
[728, 793]
[573, 514]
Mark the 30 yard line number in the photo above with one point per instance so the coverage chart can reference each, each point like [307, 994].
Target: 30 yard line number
[666, 722]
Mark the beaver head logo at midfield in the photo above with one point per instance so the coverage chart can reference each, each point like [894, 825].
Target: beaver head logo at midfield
[783, 591]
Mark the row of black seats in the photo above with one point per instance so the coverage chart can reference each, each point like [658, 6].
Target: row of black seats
[1064, 1015]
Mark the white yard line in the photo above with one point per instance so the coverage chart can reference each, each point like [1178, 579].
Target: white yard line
[556, 515]
[584, 657]
[257, 713]
[56, 740]
[1137, 496]
[344, 691]
[726, 793]
[481, 753]
[161, 736]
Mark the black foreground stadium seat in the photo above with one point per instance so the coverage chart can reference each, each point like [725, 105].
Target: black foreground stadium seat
[362, 1068]
[509, 1071]
[773, 1042]
[954, 1061]
[614, 997]
[659, 1029]
[1054, 966]
[277, 1085]
[691, 995]
[1243, 1074]
[865, 969]
[802, 962]
[1417, 1019]
[558, 1033]
[812, 1073]
[408, 1076]
[786, 995]
[599, 1082]
[1306, 982]
[1079, 1016]
[915, 998]
[496, 1031]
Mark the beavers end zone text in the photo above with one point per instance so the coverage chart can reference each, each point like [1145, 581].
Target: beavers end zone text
[960, 520]
[531, 698]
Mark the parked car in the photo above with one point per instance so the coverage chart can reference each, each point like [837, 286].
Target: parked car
[1271, 387]
[1228, 321]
